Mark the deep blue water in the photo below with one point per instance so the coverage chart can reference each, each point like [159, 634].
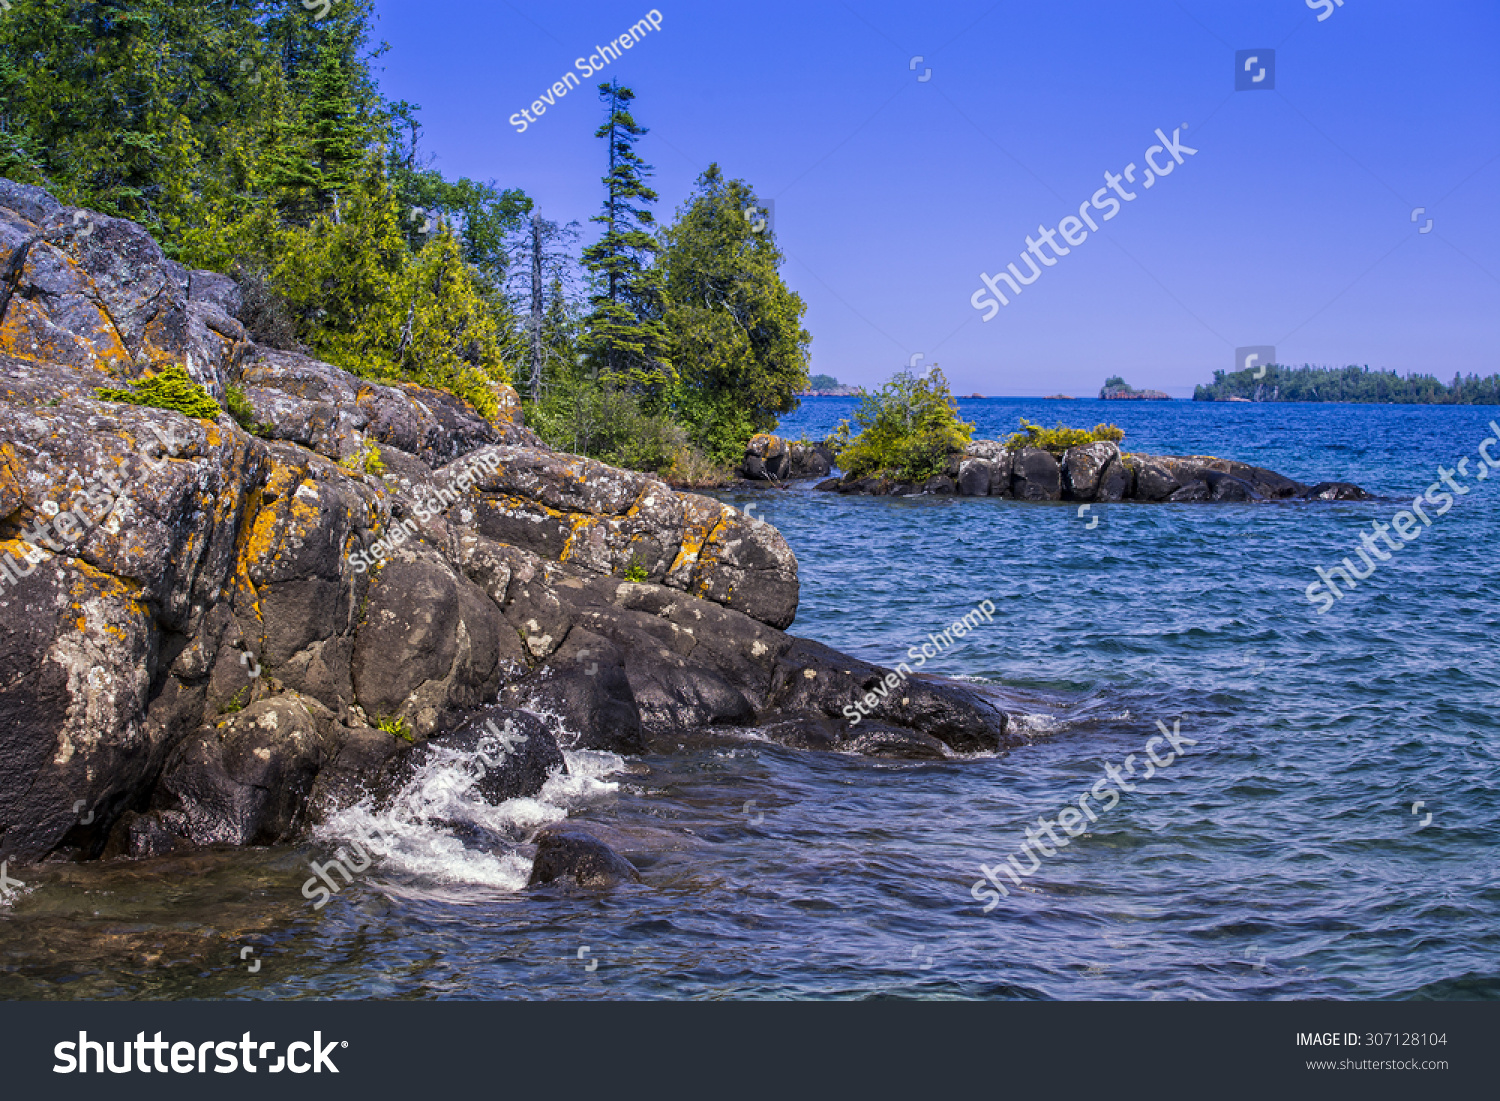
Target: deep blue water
[1279, 858]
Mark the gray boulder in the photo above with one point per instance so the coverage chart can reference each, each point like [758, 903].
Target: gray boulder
[811, 460]
[1035, 476]
[1083, 468]
[975, 476]
[1192, 492]
[1000, 475]
[244, 781]
[1153, 480]
[585, 691]
[1117, 482]
[993, 450]
[513, 753]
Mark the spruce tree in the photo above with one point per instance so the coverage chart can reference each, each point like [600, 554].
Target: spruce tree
[625, 338]
[335, 137]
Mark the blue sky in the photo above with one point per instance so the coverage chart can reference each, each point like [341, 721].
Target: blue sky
[1291, 226]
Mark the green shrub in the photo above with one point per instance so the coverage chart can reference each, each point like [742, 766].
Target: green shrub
[1059, 439]
[607, 424]
[172, 388]
[692, 469]
[907, 429]
[393, 725]
[636, 572]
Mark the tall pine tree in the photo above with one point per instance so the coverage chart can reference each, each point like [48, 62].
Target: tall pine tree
[625, 337]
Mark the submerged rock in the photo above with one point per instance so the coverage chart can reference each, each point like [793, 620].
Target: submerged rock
[1335, 491]
[512, 753]
[570, 853]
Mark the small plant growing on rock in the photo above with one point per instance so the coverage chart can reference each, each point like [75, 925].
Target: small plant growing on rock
[1059, 439]
[636, 572]
[236, 703]
[392, 724]
[366, 459]
[239, 407]
[172, 388]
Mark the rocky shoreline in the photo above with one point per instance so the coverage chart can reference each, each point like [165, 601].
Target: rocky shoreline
[200, 659]
[1093, 472]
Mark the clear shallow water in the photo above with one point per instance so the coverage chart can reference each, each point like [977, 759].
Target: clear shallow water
[1279, 858]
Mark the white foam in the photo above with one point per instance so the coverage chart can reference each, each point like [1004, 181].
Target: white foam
[1036, 723]
[414, 836]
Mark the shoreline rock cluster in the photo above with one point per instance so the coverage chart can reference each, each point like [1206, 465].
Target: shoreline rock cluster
[1092, 472]
[770, 458]
[205, 665]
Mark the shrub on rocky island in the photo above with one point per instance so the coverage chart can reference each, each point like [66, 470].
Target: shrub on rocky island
[1058, 440]
[908, 429]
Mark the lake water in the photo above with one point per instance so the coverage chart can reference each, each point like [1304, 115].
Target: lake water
[1281, 856]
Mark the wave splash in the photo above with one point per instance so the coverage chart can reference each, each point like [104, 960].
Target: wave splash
[438, 830]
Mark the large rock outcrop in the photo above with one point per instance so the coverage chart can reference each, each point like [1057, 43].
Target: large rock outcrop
[209, 636]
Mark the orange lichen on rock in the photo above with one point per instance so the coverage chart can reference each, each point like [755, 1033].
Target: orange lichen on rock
[12, 494]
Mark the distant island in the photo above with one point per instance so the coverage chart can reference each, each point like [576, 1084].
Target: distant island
[1117, 389]
[1347, 384]
[826, 386]
[1059, 397]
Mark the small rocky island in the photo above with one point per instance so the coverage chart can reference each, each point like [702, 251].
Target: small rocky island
[218, 636]
[1117, 389]
[1097, 471]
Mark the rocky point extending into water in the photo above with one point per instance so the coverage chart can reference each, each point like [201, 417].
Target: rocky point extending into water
[1092, 472]
[197, 657]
